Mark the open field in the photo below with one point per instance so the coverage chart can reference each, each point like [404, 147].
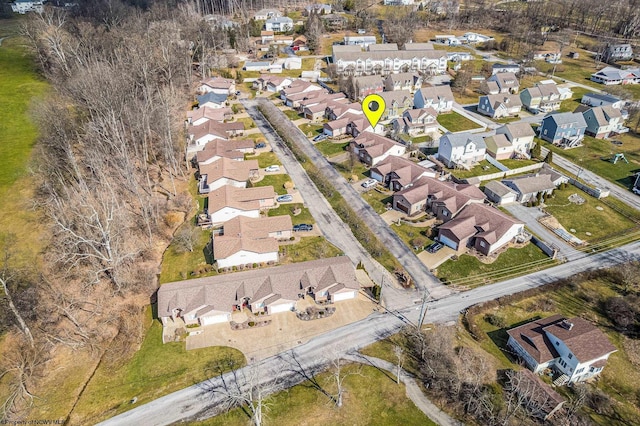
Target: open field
[303, 217]
[309, 248]
[372, 398]
[454, 122]
[469, 271]
[156, 369]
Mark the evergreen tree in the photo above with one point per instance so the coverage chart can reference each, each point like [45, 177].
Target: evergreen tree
[549, 158]
[537, 150]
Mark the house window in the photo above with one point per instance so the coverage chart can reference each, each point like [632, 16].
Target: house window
[580, 370]
[482, 244]
[557, 343]
[445, 213]
[570, 356]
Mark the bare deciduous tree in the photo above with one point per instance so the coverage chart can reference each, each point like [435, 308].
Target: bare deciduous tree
[398, 351]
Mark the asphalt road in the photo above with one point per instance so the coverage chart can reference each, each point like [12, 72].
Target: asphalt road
[198, 402]
[421, 275]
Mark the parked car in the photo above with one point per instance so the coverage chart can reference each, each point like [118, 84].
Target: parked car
[303, 227]
[369, 183]
[285, 198]
[320, 138]
[273, 168]
[261, 145]
[435, 247]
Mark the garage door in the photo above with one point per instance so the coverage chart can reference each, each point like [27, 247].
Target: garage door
[281, 308]
[344, 296]
[446, 241]
[215, 319]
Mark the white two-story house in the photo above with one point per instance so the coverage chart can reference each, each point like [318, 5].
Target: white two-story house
[463, 149]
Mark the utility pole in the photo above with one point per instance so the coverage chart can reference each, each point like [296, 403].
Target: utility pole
[424, 308]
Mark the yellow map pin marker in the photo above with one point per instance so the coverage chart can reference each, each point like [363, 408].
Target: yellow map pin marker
[373, 107]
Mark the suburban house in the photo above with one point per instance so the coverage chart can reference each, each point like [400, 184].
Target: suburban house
[479, 226]
[333, 21]
[359, 125]
[476, 38]
[575, 348]
[403, 81]
[367, 85]
[219, 85]
[520, 135]
[212, 100]
[602, 121]
[440, 98]
[260, 66]
[296, 91]
[267, 37]
[200, 116]
[461, 149]
[498, 146]
[372, 149]
[24, 6]
[228, 201]
[553, 57]
[499, 106]
[246, 240]
[530, 187]
[503, 82]
[565, 129]
[264, 14]
[211, 300]
[398, 173]
[396, 103]
[281, 24]
[499, 193]
[357, 62]
[359, 40]
[337, 109]
[443, 199]
[199, 136]
[226, 172]
[416, 121]
[541, 98]
[346, 124]
[505, 68]
[601, 99]
[271, 83]
[217, 149]
[320, 9]
[617, 52]
[611, 76]
[459, 56]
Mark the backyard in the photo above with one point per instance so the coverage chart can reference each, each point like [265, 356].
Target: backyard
[454, 122]
[180, 264]
[309, 248]
[483, 168]
[303, 217]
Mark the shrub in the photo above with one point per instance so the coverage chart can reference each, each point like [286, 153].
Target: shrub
[495, 320]
[252, 323]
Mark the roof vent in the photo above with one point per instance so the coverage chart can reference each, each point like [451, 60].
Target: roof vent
[566, 324]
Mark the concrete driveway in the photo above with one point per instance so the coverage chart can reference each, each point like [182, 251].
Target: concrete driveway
[433, 260]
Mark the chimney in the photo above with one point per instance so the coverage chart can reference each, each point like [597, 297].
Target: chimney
[506, 100]
[566, 324]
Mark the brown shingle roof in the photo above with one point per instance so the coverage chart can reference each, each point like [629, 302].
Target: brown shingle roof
[239, 198]
[215, 114]
[530, 184]
[482, 221]
[520, 130]
[453, 196]
[230, 149]
[245, 233]
[239, 171]
[533, 339]
[375, 145]
[405, 171]
[584, 339]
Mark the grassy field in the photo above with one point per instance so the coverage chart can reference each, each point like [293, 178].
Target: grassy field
[454, 122]
[178, 265]
[330, 149]
[284, 209]
[311, 129]
[309, 248]
[587, 217]
[156, 369]
[407, 233]
[483, 168]
[469, 271]
[372, 398]
[265, 159]
[595, 155]
[277, 181]
[378, 200]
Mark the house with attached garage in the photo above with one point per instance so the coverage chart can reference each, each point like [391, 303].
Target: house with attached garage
[264, 14]
[416, 121]
[575, 348]
[461, 149]
[502, 68]
[499, 193]
[226, 172]
[530, 187]
[542, 98]
[228, 202]
[371, 149]
[200, 116]
[565, 129]
[521, 137]
[601, 99]
[498, 146]
[212, 100]
[219, 85]
[248, 240]
[398, 173]
[499, 106]
[481, 227]
[217, 149]
[211, 300]
[271, 83]
[440, 98]
[602, 121]
[504, 82]
[396, 103]
[442, 199]
[199, 136]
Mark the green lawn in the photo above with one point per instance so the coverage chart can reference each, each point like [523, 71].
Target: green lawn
[420, 139]
[378, 200]
[293, 115]
[309, 248]
[311, 129]
[178, 266]
[284, 209]
[483, 168]
[407, 233]
[469, 271]
[514, 164]
[247, 121]
[454, 122]
[330, 149]
[372, 398]
[586, 217]
[570, 105]
[595, 155]
[359, 170]
[156, 369]
[277, 181]
[265, 159]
